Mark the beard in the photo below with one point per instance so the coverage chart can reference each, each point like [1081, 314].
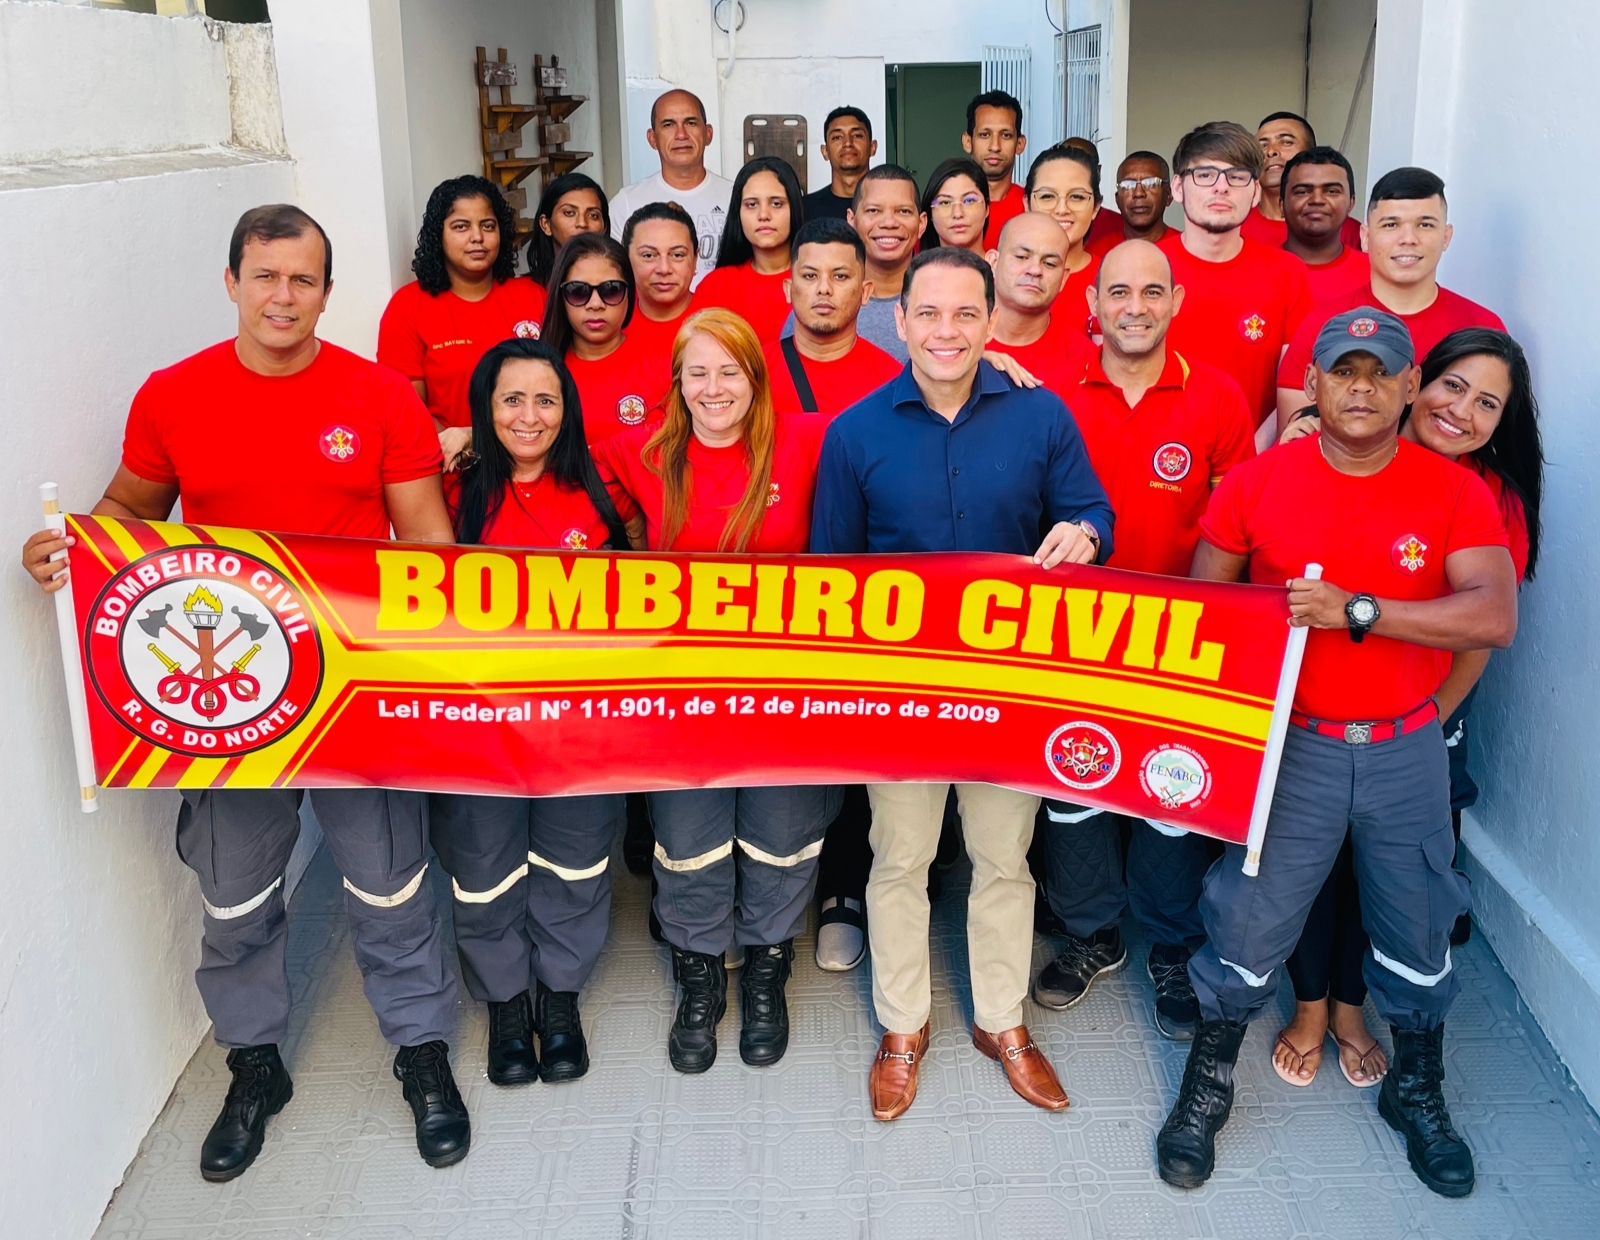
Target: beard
[823, 327]
[1214, 227]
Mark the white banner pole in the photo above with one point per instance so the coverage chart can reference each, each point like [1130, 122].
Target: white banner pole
[71, 660]
[1282, 704]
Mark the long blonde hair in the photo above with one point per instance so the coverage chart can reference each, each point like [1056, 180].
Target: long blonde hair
[667, 451]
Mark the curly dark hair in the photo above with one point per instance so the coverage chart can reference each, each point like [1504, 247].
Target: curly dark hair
[433, 277]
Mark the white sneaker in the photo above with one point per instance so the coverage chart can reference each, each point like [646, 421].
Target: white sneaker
[841, 935]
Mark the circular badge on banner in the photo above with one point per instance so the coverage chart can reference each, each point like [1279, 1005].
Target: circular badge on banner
[1083, 755]
[1175, 777]
[187, 649]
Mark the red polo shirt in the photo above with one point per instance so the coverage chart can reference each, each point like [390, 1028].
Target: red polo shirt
[1350, 271]
[756, 298]
[1159, 460]
[625, 388]
[544, 513]
[717, 479]
[439, 338]
[307, 453]
[1449, 312]
[1056, 359]
[837, 384]
[1007, 207]
[1238, 315]
[1387, 535]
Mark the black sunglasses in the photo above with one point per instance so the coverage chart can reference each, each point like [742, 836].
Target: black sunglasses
[578, 292]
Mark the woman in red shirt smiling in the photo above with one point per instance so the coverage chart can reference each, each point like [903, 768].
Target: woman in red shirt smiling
[724, 473]
[532, 896]
[753, 259]
[1064, 183]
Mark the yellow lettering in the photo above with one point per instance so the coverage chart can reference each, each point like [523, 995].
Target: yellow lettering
[769, 598]
[1141, 651]
[468, 584]
[645, 598]
[408, 590]
[1088, 638]
[1043, 603]
[556, 598]
[822, 602]
[892, 588]
[710, 596]
[975, 625]
[1178, 655]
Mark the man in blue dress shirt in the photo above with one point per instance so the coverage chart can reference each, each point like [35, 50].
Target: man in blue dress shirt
[952, 457]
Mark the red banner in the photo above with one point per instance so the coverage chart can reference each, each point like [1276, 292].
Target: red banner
[216, 657]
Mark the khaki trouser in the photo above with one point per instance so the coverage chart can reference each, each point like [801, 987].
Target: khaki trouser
[998, 825]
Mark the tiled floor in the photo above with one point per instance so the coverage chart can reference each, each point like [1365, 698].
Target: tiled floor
[636, 1150]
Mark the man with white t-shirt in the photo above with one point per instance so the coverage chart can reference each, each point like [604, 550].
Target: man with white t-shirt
[679, 134]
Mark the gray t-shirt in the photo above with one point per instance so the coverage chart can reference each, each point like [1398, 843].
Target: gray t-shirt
[874, 324]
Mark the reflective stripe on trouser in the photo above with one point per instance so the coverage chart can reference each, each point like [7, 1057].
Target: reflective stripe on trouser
[1085, 882]
[532, 895]
[997, 824]
[238, 841]
[1395, 797]
[737, 865]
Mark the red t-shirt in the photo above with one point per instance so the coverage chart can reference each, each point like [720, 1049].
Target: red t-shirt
[622, 389]
[1100, 244]
[1238, 315]
[543, 513]
[1071, 307]
[1449, 312]
[1107, 224]
[756, 298]
[1001, 210]
[656, 338]
[1056, 359]
[439, 339]
[1351, 270]
[1387, 535]
[1160, 460]
[837, 384]
[1511, 512]
[307, 453]
[717, 478]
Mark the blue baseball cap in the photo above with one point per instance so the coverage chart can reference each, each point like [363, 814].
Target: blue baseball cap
[1366, 329]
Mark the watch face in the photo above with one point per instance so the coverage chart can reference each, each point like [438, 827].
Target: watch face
[1363, 610]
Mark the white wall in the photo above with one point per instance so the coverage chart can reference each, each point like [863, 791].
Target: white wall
[1535, 836]
[99, 922]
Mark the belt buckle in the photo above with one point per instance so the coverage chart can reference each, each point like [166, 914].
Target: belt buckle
[1358, 734]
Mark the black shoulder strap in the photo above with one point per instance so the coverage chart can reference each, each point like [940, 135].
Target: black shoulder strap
[797, 372]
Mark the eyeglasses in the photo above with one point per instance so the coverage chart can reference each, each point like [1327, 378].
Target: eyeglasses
[969, 202]
[1207, 175]
[1149, 184]
[578, 292]
[1049, 199]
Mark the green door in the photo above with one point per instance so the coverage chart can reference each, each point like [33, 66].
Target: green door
[927, 110]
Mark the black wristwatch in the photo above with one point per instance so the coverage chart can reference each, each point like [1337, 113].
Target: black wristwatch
[1362, 613]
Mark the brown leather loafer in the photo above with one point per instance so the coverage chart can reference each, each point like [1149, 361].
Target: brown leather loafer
[892, 1083]
[1026, 1067]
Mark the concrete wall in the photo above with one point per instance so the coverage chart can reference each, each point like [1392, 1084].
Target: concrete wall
[99, 922]
[1535, 836]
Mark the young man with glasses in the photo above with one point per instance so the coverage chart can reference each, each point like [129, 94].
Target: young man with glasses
[1243, 300]
[847, 147]
[994, 139]
[1144, 192]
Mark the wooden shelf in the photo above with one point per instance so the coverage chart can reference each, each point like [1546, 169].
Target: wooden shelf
[512, 172]
[504, 127]
[565, 161]
[513, 115]
[563, 106]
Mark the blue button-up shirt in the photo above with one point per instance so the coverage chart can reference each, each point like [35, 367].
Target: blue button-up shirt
[896, 476]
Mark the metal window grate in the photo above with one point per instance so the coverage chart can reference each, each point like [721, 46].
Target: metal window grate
[1078, 82]
[1009, 69]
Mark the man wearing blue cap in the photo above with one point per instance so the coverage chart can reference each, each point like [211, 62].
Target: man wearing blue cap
[1414, 566]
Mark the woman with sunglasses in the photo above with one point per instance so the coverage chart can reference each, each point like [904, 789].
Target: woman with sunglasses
[724, 473]
[571, 204]
[753, 259]
[464, 299]
[956, 202]
[591, 303]
[1064, 183]
[532, 896]
[1476, 406]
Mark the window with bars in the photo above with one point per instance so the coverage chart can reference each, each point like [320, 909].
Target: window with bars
[1008, 69]
[1078, 83]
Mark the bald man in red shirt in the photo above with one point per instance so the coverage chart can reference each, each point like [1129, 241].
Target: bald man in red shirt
[1030, 270]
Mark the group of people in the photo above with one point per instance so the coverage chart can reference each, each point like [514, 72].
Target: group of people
[969, 365]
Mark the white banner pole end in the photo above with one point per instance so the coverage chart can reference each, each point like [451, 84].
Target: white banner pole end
[71, 660]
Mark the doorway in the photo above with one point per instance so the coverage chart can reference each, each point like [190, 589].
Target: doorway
[926, 106]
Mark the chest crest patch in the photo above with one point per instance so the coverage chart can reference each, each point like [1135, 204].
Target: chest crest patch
[1253, 327]
[339, 444]
[1410, 554]
[1172, 461]
[631, 410]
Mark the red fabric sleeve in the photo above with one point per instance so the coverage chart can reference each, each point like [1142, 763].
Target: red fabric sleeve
[1236, 439]
[400, 345]
[410, 443]
[143, 452]
[1476, 521]
[1299, 297]
[626, 508]
[1292, 369]
[1224, 523]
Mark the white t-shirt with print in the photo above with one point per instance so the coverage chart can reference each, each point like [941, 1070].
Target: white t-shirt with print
[706, 203]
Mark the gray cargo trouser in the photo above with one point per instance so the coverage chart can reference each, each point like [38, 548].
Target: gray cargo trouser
[738, 865]
[238, 841]
[532, 891]
[1395, 798]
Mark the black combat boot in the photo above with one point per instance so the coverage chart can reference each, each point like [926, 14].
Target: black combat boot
[763, 1009]
[443, 1130]
[1412, 1101]
[513, 1060]
[561, 1042]
[261, 1088]
[692, 1044]
[1186, 1147]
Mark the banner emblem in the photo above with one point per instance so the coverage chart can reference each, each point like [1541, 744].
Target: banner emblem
[1083, 755]
[1175, 777]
